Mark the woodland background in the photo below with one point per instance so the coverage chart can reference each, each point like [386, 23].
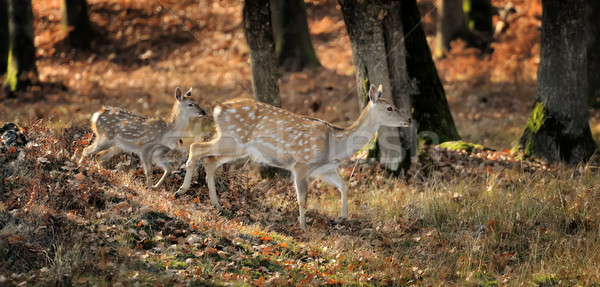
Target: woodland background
[466, 215]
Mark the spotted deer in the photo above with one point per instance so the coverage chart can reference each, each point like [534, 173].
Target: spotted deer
[273, 136]
[150, 138]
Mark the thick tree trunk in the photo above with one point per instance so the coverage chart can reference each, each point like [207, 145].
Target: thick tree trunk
[76, 23]
[558, 128]
[259, 35]
[293, 46]
[450, 23]
[21, 69]
[376, 36]
[593, 50]
[430, 106]
[4, 45]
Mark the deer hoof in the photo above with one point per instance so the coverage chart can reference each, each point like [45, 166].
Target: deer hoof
[339, 220]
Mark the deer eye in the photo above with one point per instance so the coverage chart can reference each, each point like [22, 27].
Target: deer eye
[390, 109]
[190, 105]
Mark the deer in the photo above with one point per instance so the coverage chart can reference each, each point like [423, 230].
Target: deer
[308, 147]
[117, 129]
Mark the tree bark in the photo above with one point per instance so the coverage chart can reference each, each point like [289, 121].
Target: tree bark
[479, 18]
[558, 128]
[430, 106]
[450, 23]
[593, 50]
[470, 20]
[4, 45]
[76, 22]
[20, 69]
[403, 65]
[293, 45]
[259, 35]
[378, 52]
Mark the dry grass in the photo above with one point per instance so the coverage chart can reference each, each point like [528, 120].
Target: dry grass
[61, 224]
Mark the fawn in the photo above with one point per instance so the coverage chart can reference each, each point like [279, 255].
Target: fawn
[150, 138]
[273, 136]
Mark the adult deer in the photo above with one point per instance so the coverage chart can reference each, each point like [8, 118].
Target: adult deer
[276, 137]
[150, 138]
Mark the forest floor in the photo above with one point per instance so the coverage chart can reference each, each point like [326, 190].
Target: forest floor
[477, 217]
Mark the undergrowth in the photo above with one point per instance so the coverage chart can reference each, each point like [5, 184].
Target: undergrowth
[478, 218]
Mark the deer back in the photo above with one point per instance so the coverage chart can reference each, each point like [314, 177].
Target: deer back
[130, 131]
[277, 135]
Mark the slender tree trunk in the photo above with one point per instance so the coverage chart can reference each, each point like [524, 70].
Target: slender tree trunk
[21, 69]
[450, 23]
[558, 128]
[376, 36]
[293, 45]
[470, 20]
[593, 50]
[479, 18]
[430, 106]
[76, 23]
[4, 39]
[259, 35]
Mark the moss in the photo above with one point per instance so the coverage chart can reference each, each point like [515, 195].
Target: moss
[547, 280]
[366, 86]
[11, 69]
[467, 10]
[535, 122]
[536, 118]
[461, 145]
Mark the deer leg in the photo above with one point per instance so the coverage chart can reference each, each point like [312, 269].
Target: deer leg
[211, 164]
[106, 154]
[300, 182]
[197, 151]
[146, 158]
[333, 177]
[163, 162]
[95, 148]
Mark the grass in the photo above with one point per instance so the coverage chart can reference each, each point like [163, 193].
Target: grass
[494, 226]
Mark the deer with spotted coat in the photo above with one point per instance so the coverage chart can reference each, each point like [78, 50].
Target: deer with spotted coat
[306, 146]
[150, 138]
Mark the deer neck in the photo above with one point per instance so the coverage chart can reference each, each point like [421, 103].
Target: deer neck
[348, 141]
[176, 124]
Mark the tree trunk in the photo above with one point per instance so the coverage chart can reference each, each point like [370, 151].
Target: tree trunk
[293, 46]
[259, 35]
[3, 36]
[20, 69]
[479, 18]
[593, 50]
[470, 20]
[430, 106]
[76, 22]
[558, 128]
[450, 23]
[376, 37]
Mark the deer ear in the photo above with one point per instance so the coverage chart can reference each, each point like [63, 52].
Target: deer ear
[189, 93]
[374, 93]
[178, 94]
